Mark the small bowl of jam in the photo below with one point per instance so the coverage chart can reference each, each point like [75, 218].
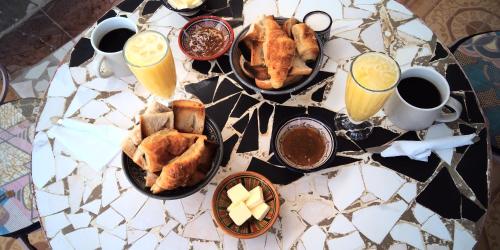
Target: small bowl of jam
[205, 38]
[305, 144]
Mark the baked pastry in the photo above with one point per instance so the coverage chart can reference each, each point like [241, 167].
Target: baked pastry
[305, 40]
[279, 50]
[189, 116]
[287, 26]
[152, 123]
[299, 67]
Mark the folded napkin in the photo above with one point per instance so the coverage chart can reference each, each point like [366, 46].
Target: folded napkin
[96, 145]
[421, 150]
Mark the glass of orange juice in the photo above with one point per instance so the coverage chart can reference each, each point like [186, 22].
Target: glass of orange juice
[149, 57]
[372, 79]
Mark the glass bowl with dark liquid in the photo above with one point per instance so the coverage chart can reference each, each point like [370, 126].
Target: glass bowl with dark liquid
[304, 144]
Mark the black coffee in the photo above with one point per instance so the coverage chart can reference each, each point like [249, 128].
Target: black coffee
[419, 92]
[114, 40]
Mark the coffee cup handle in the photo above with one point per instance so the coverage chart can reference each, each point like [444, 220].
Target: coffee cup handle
[98, 60]
[449, 117]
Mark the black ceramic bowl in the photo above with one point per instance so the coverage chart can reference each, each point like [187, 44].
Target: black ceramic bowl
[235, 53]
[136, 175]
[187, 12]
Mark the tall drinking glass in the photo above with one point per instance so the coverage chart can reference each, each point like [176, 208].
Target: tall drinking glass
[372, 79]
[149, 57]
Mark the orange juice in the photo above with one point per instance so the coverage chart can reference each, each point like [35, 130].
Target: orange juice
[371, 81]
[149, 57]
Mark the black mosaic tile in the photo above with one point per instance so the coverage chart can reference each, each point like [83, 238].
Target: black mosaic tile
[202, 66]
[265, 111]
[473, 166]
[223, 62]
[225, 12]
[461, 98]
[277, 175]
[226, 88]
[237, 6]
[241, 124]
[250, 139]
[441, 196]
[215, 4]
[408, 136]
[378, 137]
[473, 111]
[456, 78]
[82, 52]
[228, 146]
[322, 75]
[108, 14]
[342, 160]
[464, 130]
[204, 90]
[324, 115]
[470, 210]
[243, 86]
[129, 5]
[275, 161]
[317, 96]
[277, 98]
[439, 53]
[151, 7]
[243, 105]
[418, 170]
[344, 144]
[220, 111]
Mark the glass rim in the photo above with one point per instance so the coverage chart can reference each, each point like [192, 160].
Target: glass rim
[154, 63]
[376, 90]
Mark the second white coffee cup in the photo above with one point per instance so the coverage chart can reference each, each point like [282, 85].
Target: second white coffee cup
[408, 117]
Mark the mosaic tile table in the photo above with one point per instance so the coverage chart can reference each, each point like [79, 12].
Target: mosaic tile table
[362, 201]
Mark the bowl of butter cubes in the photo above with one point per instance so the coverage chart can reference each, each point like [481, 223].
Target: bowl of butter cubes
[245, 205]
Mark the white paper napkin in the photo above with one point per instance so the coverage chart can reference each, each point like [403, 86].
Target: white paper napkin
[421, 150]
[96, 145]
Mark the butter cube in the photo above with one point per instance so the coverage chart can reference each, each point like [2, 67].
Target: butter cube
[240, 213]
[238, 193]
[260, 211]
[256, 197]
[233, 205]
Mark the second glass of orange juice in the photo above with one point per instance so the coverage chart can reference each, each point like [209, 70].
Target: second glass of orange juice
[372, 79]
[149, 57]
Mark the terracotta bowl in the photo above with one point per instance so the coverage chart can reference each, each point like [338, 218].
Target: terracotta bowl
[206, 21]
[252, 227]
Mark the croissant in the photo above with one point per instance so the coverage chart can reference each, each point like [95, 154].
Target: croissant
[287, 26]
[305, 40]
[179, 171]
[279, 50]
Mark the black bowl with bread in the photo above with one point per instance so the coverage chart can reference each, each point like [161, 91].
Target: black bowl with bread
[172, 152]
[276, 55]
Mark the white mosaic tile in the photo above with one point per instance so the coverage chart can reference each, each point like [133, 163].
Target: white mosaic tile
[348, 178]
[343, 25]
[151, 215]
[147, 242]
[64, 166]
[207, 201]
[129, 203]
[79, 220]
[368, 7]
[399, 246]
[94, 109]
[230, 242]
[51, 71]
[90, 186]
[404, 56]
[356, 13]
[462, 239]
[271, 242]
[208, 245]
[398, 17]
[408, 233]
[62, 84]
[315, 211]
[54, 223]
[255, 243]
[321, 185]
[43, 163]
[356, 2]
[341, 225]
[109, 241]
[108, 219]
[340, 49]
[439, 131]
[333, 8]
[24, 89]
[209, 232]
[381, 182]
[110, 84]
[120, 231]
[109, 187]
[41, 86]
[119, 119]
[55, 188]
[421, 213]
[417, 29]
[372, 37]
[171, 224]
[436, 227]
[126, 102]
[352, 35]
[313, 238]
[408, 191]
[375, 222]
[37, 71]
[60, 242]
[286, 8]
[141, 91]
[192, 203]
[122, 179]
[252, 10]
[79, 74]
[93, 206]
[294, 226]
[133, 235]
[175, 210]
[438, 247]
[350, 241]
[368, 197]
[335, 99]
[394, 5]
[50, 203]
[75, 189]
[54, 108]
[85, 238]
[174, 241]
[83, 96]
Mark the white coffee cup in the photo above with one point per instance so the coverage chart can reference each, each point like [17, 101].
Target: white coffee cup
[408, 117]
[114, 61]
